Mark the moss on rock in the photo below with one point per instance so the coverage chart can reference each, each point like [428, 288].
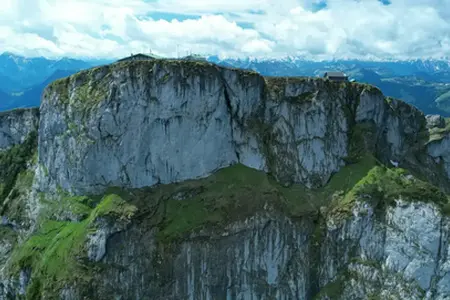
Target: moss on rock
[7, 234]
[14, 206]
[13, 162]
[233, 194]
[383, 186]
[65, 206]
[56, 253]
[437, 134]
[362, 137]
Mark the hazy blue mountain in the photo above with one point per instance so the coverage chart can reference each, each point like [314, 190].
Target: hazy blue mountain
[20, 73]
[423, 83]
[30, 97]
[22, 80]
[437, 70]
[6, 101]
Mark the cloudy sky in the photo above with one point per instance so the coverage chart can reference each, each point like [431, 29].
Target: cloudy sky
[313, 29]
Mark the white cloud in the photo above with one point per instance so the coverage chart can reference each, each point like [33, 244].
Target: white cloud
[276, 28]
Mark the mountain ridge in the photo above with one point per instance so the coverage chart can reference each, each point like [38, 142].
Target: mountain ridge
[420, 82]
[185, 180]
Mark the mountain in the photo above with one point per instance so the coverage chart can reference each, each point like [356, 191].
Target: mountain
[298, 66]
[423, 83]
[418, 82]
[184, 180]
[22, 79]
[30, 97]
[24, 73]
[6, 101]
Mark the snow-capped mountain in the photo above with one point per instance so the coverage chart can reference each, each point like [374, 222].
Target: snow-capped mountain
[424, 83]
[21, 72]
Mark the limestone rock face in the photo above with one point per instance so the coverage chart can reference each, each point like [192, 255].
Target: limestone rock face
[131, 126]
[141, 124]
[402, 253]
[435, 121]
[16, 125]
[439, 149]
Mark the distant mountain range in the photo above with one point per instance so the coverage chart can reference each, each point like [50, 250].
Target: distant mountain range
[423, 83]
[22, 80]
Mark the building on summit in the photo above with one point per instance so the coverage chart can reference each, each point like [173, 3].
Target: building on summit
[139, 56]
[336, 76]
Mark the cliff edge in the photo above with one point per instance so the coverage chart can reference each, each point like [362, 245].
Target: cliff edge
[157, 122]
[184, 180]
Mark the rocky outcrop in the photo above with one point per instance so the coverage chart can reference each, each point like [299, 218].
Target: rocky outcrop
[438, 146]
[16, 125]
[435, 121]
[141, 124]
[408, 239]
[152, 183]
[400, 252]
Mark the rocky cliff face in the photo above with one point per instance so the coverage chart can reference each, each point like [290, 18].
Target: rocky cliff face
[143, 124]
[183, 180]
[16, 125]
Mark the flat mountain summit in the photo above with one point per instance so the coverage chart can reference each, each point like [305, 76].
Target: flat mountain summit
[170, 179]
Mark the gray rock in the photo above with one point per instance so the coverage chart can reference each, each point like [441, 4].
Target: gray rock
[161, 122]
[403, 254]
[16, 125]
[435, 121]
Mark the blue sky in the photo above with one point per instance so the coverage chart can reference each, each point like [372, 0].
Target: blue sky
[312, 29]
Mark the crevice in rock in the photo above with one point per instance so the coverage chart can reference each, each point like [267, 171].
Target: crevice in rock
[435, 278]
[315, 244]
[230, 112]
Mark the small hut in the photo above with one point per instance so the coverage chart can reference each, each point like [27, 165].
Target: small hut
[139, 56]
[336, 76]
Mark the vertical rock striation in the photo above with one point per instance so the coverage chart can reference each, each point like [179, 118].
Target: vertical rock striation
[16, 125]
[141, 124]
[134, 196]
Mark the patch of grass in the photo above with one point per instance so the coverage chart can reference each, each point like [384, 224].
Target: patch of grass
[87, 94]
[56, 254]
[437, 134]
[361, 135]
[237, 192]
[61, 88]
[302, 200]
[114, 206]
[230, 194]
[302, 98]
[334, 289]
[165, 78]
[446, 209]
[371, 89]
[77, 206]
[14, 204]
[393, 183]
[51, 255]
[90, 88]
[14, 161]
[382, 186]
[7, 233]
[369, 263]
